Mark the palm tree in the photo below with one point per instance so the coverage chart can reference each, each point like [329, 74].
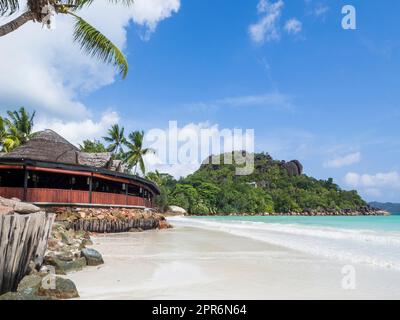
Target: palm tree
[92, 146]
[156, 177]
[135, 154]
[8, 138]
[20, 125]
[88, 37]
[3, 133]
[116, 139]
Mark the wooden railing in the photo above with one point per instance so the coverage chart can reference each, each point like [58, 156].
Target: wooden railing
[12, 192]
[57, 195]
[44, 195]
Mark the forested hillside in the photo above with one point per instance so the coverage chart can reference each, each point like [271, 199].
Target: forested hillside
[273, 187]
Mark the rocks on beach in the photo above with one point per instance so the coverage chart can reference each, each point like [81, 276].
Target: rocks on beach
[14, 205]
[92, 257]
[110, 220]
[361, 211]
[63, 255]
[67, 247]
[42, 286]
[175, 210]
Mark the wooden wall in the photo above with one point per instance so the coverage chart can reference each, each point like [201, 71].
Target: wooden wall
[73, 196]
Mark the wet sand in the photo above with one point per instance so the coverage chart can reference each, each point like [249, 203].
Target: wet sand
[193, 263]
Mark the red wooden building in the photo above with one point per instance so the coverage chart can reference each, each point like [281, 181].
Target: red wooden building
[48, 170]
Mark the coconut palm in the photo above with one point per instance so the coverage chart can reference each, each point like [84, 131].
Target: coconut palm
[116, 139]
[16, 129]
[3, 133]
[134, 157]
[20, 124]
[91, 40]
[156, 177]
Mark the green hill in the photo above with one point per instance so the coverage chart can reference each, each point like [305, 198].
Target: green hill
[273, 187]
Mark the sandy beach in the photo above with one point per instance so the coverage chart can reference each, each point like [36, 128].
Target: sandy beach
[193, 263]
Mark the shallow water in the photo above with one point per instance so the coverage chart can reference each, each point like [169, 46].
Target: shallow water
[367, 240]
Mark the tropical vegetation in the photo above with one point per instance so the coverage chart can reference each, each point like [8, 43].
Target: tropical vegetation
[16, 129]
[216, 189]
[212, 189]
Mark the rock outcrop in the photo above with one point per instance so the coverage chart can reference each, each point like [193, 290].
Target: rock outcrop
[66, 247]
[93, 257]
[16, 206]
[40, 286]
[175, 210]
[294, 167]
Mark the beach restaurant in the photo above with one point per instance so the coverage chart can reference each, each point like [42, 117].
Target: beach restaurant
[49, 170]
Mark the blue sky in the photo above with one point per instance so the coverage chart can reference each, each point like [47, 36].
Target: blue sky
[311, 90]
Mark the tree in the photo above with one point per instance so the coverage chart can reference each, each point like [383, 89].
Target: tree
[5, 141]
[116, 139]
[16, 129]
[161, 179]
[134, 157]
[20, 123]
[91, 40]
[156, 177]
[94, 146]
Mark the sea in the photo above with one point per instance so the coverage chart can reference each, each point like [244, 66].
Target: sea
[367, 240]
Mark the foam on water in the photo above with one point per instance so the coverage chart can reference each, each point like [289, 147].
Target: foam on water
[372, 246]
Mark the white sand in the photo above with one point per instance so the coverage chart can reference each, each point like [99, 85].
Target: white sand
[191, 263]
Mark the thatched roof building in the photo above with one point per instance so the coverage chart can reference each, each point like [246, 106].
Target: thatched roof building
[48, 145]
[38, 170]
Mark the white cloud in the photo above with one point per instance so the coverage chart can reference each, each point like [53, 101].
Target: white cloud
[274, 100]
[370, 182]
[383, 186]
[343, 161]
[45, 70]
[321, 10]
[267, 29]
[373, 192]
[79, 130]
[184, 154]
[293, 26]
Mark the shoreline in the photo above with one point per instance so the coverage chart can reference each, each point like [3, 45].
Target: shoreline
[292, 214]
[192, 263]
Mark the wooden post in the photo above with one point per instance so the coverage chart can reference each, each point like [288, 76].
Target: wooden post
[22, 238]
[126, 193]
[25, 184]
[90, 187]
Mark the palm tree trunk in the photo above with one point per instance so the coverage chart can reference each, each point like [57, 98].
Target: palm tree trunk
[16, 23]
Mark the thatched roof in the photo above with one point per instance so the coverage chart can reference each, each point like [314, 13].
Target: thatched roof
[49, 146]
[118, 165]
[100, 160]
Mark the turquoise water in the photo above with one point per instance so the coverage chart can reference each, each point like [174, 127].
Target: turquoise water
[370, 240]
[375, 223]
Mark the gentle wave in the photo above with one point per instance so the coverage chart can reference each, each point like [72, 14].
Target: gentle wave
[352, 245]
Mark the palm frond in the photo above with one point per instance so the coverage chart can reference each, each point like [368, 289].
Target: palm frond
[8, 7]
[97, 45]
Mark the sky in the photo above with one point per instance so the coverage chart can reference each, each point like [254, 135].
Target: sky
[310, 89]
